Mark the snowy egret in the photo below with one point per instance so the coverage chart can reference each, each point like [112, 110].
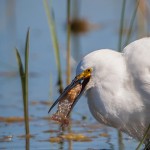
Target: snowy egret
[117, 86]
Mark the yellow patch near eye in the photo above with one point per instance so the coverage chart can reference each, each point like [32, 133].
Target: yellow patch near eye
[85, 74]
[87, 71]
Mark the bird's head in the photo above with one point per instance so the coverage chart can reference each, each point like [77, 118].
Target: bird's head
[83, 78]
[94, 69]
[71, 95]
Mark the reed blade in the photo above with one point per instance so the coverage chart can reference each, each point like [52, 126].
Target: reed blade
[51, 23]
[26, 80]
[23, 71]
[144, 137]
[68, 44]
[121, 26]
[131, 23]
[20, 65]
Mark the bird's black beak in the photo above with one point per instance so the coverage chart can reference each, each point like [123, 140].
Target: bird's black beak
[81, 79]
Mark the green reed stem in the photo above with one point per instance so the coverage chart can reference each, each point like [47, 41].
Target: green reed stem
[132, 22]
[68, 44]
[120, 141]
[121, 25]
[51, 22]
[21, 72]
[24, 81]
[144, 137]
[68, 56]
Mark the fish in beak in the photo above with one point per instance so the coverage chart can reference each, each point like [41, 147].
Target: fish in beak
[71, 94]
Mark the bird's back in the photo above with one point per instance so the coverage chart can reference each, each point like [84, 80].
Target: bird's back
[137, 55]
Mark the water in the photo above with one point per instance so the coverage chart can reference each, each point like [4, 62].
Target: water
[16, 16]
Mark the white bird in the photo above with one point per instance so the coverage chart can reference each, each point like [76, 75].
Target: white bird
[117, 86]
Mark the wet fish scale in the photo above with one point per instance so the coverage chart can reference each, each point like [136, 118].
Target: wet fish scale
[65, 105]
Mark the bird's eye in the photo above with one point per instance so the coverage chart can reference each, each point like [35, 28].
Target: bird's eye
[88, 70]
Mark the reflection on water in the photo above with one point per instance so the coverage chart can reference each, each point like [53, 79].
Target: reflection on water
[27, 143]
[16, 16]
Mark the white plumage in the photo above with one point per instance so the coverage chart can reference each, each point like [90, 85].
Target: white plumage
[119, 89]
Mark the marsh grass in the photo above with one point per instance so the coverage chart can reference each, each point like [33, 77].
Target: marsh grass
[23, 71]
[131, 23]
[143, 139]
[68, 44]
[120, 141]
[129, 33]
[52, 26]
[142, 19]
[121, 25]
